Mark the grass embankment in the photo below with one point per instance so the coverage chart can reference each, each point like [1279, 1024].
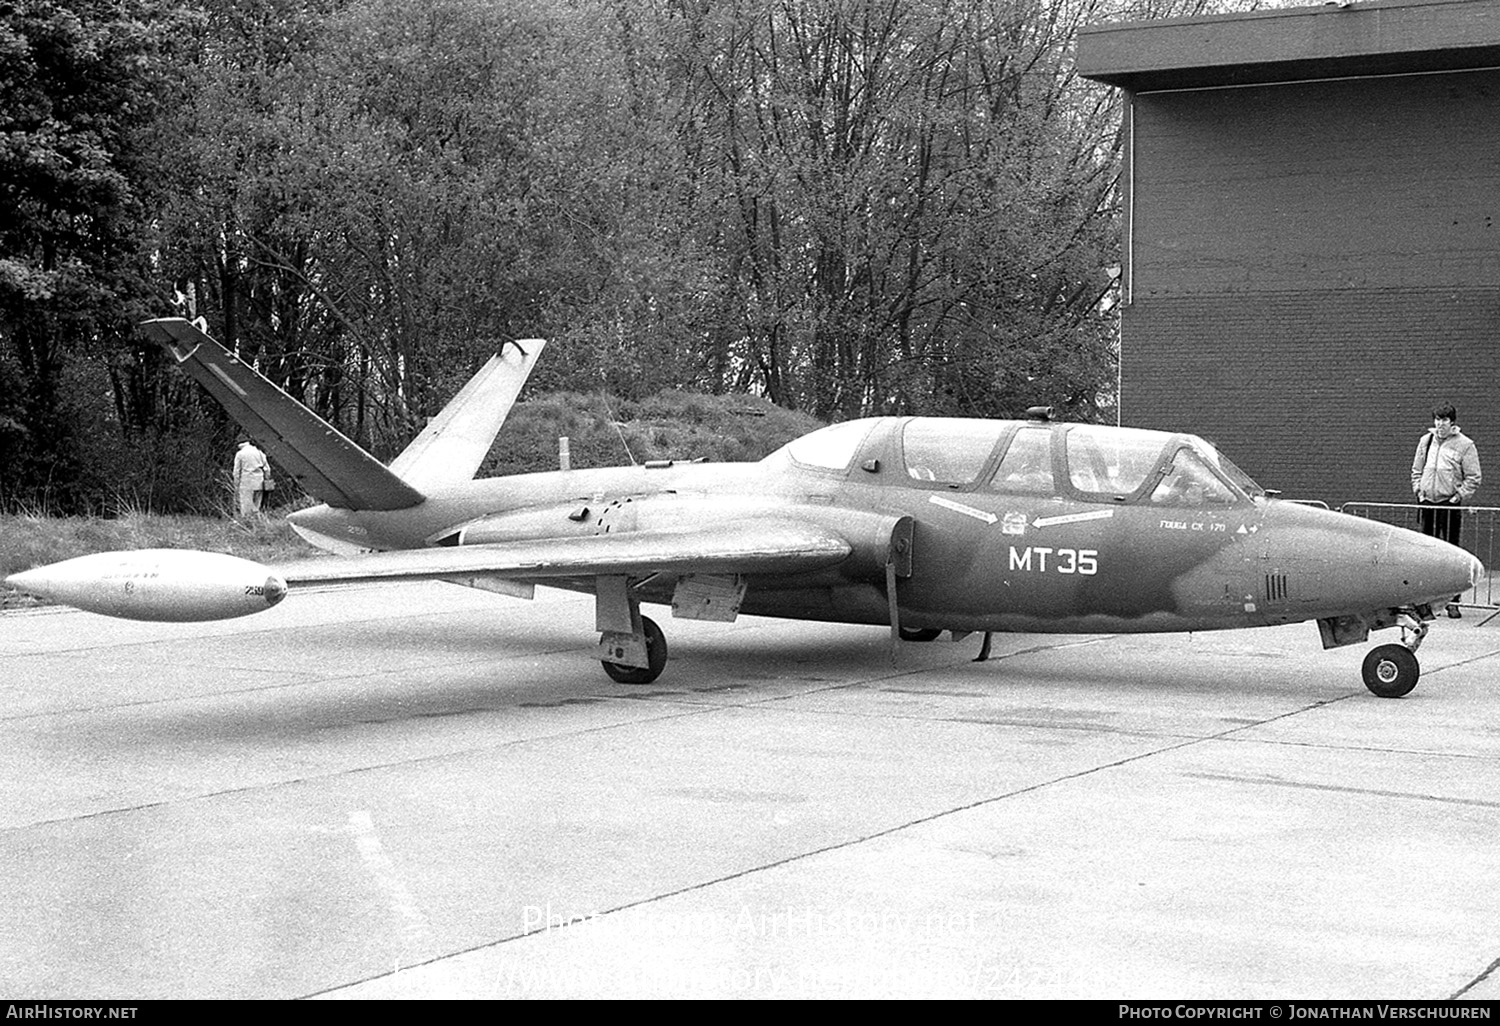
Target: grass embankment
[28, 541]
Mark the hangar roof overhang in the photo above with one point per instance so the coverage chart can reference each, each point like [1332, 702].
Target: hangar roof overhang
[1334, 40]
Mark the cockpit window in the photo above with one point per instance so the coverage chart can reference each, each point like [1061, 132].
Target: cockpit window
[1189, 482]
[1112, 461]
[948, 451]
[1027, 465]
[1241, 480]
[830, 448]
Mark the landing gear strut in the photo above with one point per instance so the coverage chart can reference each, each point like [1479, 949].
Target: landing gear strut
[1391, 671]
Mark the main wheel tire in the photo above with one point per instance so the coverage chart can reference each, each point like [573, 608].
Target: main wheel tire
[656, 655]
[1391, 671]
[920, 633]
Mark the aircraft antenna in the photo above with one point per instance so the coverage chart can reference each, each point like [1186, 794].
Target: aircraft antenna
[616, 425]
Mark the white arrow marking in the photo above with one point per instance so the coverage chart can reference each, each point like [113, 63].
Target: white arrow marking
[1073, 518]
[958, 507]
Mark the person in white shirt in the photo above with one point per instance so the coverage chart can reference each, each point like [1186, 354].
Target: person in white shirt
[251, 469]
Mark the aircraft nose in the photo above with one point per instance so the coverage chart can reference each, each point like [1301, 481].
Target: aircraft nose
[1434, 569]
[1466, 570]
[1424, 567]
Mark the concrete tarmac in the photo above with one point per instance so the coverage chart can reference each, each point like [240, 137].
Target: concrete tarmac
[426, 791]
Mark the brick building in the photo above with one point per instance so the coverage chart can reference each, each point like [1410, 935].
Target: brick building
[1312, 234]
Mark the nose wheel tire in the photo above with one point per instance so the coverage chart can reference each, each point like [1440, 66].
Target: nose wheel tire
[656, 655]
[1391, 671]
[921, 633]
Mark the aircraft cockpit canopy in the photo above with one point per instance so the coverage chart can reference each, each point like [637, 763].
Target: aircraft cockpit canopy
[1189, 482]
[1110, 463]
[1094, 461]
[1117, 464]
[1243, 481]
[1027, 464]
[950, 451]
[829, 448]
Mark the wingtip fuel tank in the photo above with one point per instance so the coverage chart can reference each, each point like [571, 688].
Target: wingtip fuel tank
[174, 585]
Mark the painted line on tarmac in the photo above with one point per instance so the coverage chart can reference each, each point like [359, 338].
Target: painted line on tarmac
[1345, 789]
[1476, 981]
[828, 848]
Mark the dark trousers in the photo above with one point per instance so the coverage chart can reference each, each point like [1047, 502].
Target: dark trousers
[1442, 520]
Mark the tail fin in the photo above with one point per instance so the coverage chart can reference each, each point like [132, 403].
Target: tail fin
[325, 462]
[451, 447]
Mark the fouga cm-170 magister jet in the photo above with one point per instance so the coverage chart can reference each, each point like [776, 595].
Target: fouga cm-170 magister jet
[923, 524]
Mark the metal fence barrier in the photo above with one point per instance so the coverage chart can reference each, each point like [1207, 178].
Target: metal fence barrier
[1476, 534]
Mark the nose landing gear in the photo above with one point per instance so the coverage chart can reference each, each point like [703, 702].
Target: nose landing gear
[1391, 671]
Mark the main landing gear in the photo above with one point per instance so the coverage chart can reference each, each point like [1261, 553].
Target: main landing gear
[656, 658]
[1391, 671]
[920, 633]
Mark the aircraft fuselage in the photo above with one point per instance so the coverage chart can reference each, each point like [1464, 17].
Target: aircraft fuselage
[984, 555]
[919, 523]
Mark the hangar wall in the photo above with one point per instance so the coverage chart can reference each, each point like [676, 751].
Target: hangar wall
[1312, 234]
[1310, 266]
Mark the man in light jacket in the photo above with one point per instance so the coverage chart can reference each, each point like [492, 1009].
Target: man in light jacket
[1444, 476]
[251, 468]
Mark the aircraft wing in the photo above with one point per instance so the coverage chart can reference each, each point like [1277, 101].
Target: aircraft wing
[741, 547]
[325, 462]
